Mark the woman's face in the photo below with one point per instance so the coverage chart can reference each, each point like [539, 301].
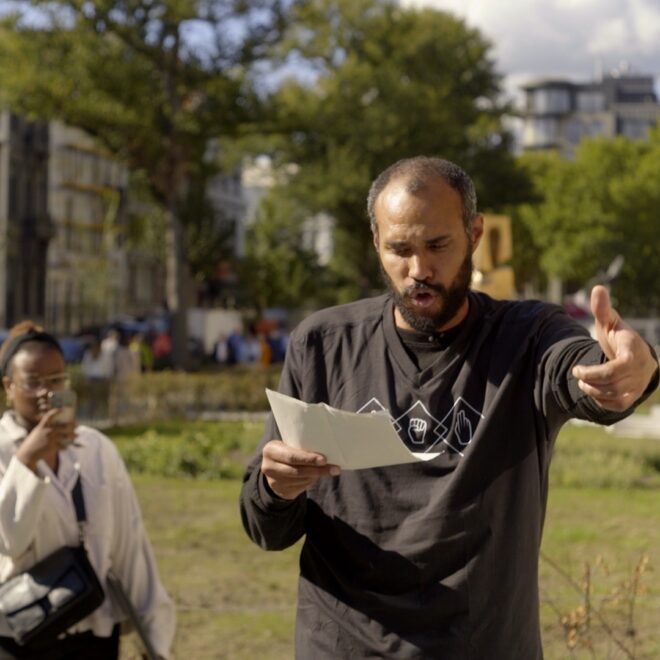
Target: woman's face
[35, 370]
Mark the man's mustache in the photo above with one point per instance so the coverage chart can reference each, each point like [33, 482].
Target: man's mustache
[422, 286]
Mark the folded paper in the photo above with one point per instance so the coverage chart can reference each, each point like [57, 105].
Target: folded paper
[353, 441]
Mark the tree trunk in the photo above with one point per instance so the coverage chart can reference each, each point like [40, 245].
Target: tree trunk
[175, 283]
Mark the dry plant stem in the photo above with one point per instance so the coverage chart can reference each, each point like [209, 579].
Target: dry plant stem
[639, 569]
[598, 615]
[587, 595]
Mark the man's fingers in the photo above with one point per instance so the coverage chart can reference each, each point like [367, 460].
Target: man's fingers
[291, 471]
[278, 451]
[608, 399]
[301, 472]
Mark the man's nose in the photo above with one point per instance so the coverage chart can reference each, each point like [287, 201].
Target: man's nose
[419, 268]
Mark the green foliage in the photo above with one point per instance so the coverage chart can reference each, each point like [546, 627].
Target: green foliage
[134, 76]
[278, 270]
[588, 211]
[207, 233]
[211, 450]
[167, 394]
[589, 457]
[390, 82]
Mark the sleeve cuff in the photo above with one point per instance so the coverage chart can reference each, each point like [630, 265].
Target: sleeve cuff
[271, 500]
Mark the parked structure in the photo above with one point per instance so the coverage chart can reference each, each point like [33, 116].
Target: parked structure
[558, 113]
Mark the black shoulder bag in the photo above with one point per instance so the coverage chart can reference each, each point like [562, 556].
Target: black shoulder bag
[55, 593]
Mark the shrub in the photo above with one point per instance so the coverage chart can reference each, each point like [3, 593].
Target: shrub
[211, 450]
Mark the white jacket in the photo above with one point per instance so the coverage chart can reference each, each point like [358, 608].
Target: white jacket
[37, 516]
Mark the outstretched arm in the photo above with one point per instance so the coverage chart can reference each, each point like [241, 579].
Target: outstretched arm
[631, 366]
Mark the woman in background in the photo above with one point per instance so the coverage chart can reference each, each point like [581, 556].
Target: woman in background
[40, 460]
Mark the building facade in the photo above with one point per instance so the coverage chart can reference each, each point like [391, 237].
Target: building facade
[557, 114]
[25, 225]
[94, 274]
[64, 256]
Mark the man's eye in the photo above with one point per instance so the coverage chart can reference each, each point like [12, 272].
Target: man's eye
[438, 247]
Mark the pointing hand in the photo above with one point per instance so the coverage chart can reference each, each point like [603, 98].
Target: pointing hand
[619, 382]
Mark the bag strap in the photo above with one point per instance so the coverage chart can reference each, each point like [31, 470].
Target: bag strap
[79, 504]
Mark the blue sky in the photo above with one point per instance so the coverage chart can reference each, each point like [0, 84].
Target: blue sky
[568, 38]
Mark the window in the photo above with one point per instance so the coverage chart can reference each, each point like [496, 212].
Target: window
[551, 101]
[634, 128]
[590, 102]
[540, 132]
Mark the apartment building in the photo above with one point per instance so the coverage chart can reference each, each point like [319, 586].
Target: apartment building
[558, 113]
[25, 225]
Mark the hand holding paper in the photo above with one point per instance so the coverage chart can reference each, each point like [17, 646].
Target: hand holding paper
[350, 440]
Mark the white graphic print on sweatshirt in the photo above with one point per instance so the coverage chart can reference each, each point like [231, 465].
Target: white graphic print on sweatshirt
[422, 432]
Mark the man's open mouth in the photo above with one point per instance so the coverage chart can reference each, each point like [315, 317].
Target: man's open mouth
[423, 298]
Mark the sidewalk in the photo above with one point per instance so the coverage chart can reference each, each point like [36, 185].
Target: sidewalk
[639, 426]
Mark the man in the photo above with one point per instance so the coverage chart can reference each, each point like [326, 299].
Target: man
[434, 559]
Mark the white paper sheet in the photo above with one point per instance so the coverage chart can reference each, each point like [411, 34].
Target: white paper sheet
[351, 440]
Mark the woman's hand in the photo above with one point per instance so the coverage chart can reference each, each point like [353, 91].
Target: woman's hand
[46, 439]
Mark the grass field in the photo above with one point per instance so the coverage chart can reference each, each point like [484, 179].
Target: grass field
[237, 601]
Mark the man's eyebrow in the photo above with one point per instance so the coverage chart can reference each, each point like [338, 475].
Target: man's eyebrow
[443, 238]
[397, 244]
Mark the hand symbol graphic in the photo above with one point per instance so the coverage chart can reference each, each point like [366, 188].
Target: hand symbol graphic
[417, 430]
[463, 429]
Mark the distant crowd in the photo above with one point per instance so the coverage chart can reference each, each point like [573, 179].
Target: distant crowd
[109, 364]
[259, 346]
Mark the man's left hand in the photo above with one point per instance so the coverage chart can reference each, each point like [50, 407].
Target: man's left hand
[619, 382]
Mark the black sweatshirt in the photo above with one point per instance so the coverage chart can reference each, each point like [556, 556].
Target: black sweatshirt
[435, 559]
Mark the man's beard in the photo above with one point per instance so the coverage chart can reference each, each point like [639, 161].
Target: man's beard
[452, 298]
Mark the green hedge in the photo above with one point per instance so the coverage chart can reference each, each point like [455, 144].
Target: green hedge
[168, 394]
[193, 449]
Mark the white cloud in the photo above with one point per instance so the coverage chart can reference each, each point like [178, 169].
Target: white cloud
[646, 17]
[569, 38]
[615, 31]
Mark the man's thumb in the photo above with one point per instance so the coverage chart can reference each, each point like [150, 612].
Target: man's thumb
[605, 317]
[602, 309]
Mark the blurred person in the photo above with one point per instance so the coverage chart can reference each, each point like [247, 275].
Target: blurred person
[221, 350]
[278, 338]
[126, 370]
[438, 558]
[162, 350]
[237, 351]
[142, 352]
[109, 347]
[265, 350]
[97, 374]
[40, 461]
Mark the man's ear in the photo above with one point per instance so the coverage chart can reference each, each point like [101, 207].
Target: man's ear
[477, 230]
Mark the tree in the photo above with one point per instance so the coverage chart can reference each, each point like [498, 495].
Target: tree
[278, 270]
[602, 204]
[387, 82]
[152, 80]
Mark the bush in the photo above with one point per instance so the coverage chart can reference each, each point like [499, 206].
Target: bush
[201, 450]
[163, 395]
[589, 457]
